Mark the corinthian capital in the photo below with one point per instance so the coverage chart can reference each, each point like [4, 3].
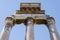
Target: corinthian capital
[50, 21]
[9, 22]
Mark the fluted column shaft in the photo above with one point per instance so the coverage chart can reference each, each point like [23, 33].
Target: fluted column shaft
[52, 30]
[7, 29]
[30, 30]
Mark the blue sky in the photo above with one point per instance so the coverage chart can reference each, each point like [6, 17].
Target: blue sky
[51, 7]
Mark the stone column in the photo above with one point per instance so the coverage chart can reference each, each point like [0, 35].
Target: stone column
[29, 29]
[7, 29]
[52, 29]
